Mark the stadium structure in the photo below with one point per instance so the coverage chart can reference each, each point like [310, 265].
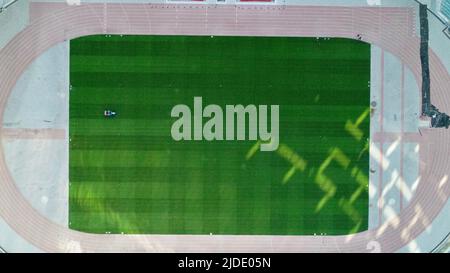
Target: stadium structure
[224, 126]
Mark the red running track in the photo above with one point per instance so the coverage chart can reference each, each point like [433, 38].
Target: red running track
[389, 28]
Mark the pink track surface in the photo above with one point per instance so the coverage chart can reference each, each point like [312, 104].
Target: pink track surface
[389, 28]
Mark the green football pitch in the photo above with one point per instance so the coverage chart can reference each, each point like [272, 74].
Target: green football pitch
[128, 175]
